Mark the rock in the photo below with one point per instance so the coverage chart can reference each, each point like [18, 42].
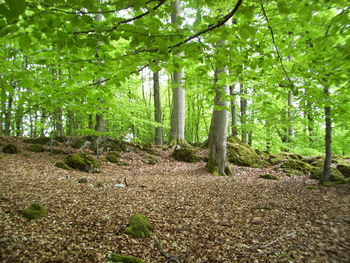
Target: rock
[297, 165]
[83, 181]
[113, 156]
[11, 149]
[37, 148]
[116, 258]
[269, 176]
[57, 151]
[242, 154]
[82, 162]
[290, 172]
[278, 159]
[150, 159]
[336, 175]
[34, 211]
[185, 153]
[139, 227]
[42, 141]
[62, 165]
[344, 169]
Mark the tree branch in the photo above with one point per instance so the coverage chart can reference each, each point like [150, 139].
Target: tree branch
[274, 44]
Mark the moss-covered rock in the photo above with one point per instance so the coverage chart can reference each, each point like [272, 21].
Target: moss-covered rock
[113, 156]
[242, 154]
[42, 141]
[276, 159]
[185, 153]
[10, 148]
[336, 175]
[61, 139]
[116, 258]
[297, 165]
[269, 176]
[34, 211]
[62, 165]
[150, 159]
[58, 151]
[83, 162]
[37, 148]
[344, 169]
[293, 156]
[139, 227]
[290, 172]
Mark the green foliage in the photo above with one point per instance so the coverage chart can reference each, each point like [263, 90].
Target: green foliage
[116, 258]
[34, 211]
[139, 227]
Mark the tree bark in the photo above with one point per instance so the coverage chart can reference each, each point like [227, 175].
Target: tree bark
[234, 120]
[8, 115]
[3, 109]
[177, 131]
[157, 109]
[290, 116]
[217, 163]
[328, 139]
[243, 92]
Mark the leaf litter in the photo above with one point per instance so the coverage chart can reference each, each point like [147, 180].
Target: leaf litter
[197, 218]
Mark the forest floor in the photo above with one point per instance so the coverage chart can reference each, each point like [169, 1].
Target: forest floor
[196, 215]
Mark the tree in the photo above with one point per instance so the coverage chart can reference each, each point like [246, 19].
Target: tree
[157, 109]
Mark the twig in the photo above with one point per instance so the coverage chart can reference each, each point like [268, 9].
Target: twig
[165, 254]
[276, 240]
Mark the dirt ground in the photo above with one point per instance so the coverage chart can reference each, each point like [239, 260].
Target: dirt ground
[196, 216]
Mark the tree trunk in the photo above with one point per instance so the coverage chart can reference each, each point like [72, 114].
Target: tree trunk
[8, 115]
[177, 131]
[328, 139]
[243, 92]
[234, 121]
[157, 109]
[290, 116]
[3, 109]
[217, 163]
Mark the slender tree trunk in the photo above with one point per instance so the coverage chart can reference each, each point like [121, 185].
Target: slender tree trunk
[177, 131]
[157, 109]
[234, 120]
[290, 116]
[328, 139]
[3, 109]
[243, 92]
[8, 115]
[42, 123]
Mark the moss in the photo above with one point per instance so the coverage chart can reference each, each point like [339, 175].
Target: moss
[269, 176]
[328, 184]
[242, 154]
[336, 176]
[113, 156]
[62, 165]
[290, 172]
[297, 165]
[185, 153]
[278, 159]
[41, 141]
[116, 258]
[293, 156]
[11, 149]
[139, 227]
[82, 162]
[150, 159]
[100, 184]
[311, 187]
[61, 139]
[344, 169]
[37, 148]
[34, 211]
[58, 151]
